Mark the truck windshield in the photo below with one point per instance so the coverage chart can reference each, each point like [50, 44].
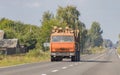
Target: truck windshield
[62, 39]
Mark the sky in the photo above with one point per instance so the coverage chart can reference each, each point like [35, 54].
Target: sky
[106, 12]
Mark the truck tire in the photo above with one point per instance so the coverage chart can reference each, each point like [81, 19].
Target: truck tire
[77, 53]
[52, 59]
[78, 56]
[73, 58]
[59, 58]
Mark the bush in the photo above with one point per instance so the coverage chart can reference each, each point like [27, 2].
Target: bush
[118, 50]
[35, 53]
[97, 50]
[1, 56]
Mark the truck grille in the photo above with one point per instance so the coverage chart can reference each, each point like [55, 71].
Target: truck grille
[62, 49]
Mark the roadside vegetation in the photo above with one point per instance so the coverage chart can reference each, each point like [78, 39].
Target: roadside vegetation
[118, 50]
[34, 36]
[31, 57]
[118, 45]
[97, 50]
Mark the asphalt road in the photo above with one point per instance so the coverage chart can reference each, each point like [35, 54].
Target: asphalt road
[99, 64]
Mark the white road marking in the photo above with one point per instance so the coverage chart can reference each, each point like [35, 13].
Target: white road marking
[70, 65]
[54, 70]
[64, 67]
[43, 74]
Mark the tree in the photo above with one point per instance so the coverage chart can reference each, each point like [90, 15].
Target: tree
[26, 34]
[46, 16]
[107, 43]
[83, 35]
[8, 27]
[95, 35]
[119, 36]
[69, 15]
[118, 42]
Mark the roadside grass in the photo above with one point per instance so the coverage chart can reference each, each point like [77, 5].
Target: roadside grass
[97, 50]
[118, 50]
[31, 57]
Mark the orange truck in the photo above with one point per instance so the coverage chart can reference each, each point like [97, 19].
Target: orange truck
[65, 43]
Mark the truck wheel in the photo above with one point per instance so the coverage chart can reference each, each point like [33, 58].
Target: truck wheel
[78, 56]
[73, 58]
[52, 59]
[59, 58]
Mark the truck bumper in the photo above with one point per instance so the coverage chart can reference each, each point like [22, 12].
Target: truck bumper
[62, 54]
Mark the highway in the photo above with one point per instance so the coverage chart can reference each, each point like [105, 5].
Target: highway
[107, 63]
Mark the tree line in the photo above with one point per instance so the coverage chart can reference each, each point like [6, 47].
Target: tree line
[33, 36]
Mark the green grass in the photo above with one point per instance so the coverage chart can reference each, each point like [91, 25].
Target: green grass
[97, 50]
[118, 50]
[31, 57]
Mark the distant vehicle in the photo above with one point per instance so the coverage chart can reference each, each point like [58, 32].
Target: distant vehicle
[65, 43]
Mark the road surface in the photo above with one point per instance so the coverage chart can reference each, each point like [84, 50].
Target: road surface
[99, 64]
